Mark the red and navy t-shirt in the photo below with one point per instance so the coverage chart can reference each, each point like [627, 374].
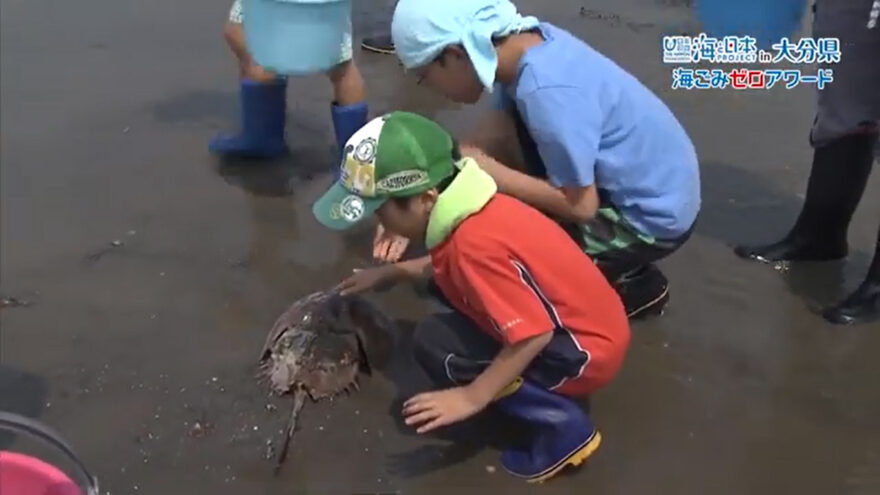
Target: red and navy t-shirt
[517, 274]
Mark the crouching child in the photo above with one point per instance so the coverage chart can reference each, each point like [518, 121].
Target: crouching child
[534, 323]
[602, 153]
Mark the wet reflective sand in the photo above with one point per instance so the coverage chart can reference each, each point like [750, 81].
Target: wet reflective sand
[142, 354]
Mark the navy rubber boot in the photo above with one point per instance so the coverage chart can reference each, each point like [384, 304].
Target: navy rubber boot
[263, 114]
[346, 121]
[562, 433]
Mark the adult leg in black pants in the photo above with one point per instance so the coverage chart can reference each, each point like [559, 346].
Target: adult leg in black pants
[863, 305]
[844, 137]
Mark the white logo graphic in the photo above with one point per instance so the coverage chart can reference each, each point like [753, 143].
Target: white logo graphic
[365, 151]
[403, 180]
[351, 208]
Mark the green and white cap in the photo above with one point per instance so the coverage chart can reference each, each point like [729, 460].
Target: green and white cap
[397, 155]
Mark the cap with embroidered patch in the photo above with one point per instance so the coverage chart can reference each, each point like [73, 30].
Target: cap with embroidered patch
[399, 154]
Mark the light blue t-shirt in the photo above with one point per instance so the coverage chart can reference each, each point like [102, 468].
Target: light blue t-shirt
[594, 122]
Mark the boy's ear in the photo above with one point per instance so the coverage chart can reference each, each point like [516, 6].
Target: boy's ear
[456, 51]
[430, 196]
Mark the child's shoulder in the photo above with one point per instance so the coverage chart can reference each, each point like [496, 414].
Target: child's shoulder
[497, 210]
[500, 225]
[560, 44]
[486, 227]
[562, 61]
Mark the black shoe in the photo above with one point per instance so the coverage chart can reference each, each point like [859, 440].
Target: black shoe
[644, 293]
[863, 305]
[837, 180]
[378, 44]
[793, 248]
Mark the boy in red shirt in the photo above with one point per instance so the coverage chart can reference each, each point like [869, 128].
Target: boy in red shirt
[534, 320]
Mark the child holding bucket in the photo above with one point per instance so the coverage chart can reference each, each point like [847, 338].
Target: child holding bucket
[534, 322]
[289, 37]
[604, 155]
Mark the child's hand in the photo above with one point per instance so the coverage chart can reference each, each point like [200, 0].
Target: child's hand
[435, 409]
[388, 247]
[364, 279]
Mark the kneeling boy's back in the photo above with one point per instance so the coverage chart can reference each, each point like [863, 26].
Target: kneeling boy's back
[517, 274]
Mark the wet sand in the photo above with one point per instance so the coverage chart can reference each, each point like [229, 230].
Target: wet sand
[107, 108]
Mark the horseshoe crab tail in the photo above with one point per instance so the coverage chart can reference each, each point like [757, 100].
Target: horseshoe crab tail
[299, 398]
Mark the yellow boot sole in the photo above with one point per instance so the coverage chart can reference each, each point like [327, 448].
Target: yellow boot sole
[575, 459]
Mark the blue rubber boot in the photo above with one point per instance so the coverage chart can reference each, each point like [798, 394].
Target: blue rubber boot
[263, 109]
[346, 121]
[562, 433]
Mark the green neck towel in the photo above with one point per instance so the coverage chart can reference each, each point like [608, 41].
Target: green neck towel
[466, 195]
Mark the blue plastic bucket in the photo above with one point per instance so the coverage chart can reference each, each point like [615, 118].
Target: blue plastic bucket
[767, 21]
[295, 37]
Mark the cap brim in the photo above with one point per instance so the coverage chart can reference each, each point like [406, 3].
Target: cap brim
[339, 208]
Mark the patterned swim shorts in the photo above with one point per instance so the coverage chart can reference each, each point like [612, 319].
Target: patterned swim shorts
[236, 16]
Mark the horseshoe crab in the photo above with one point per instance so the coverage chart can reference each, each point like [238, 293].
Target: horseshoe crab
[317, 348]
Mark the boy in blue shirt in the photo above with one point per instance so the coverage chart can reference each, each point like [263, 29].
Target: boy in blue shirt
[603, 155]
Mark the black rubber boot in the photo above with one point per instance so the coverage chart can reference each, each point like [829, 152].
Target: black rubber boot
[837, 180]
[644, 292]
[863, 305]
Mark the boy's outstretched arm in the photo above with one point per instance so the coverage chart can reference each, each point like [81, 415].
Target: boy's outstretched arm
[432, 410]
[414, 269]
[367, 278]
[510, 362]
[493, 134]
[566, 124]
[575, 204]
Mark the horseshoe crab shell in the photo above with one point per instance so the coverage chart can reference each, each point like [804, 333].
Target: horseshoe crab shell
[318, 347]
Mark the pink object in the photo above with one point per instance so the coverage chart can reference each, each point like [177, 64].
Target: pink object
[22, 474]
[25, 475]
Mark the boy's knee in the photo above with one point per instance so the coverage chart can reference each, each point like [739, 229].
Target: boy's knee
[431, 350]
[254, 72]
[425, 347]
[470, 149]
[232, 34]
[342, 71]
